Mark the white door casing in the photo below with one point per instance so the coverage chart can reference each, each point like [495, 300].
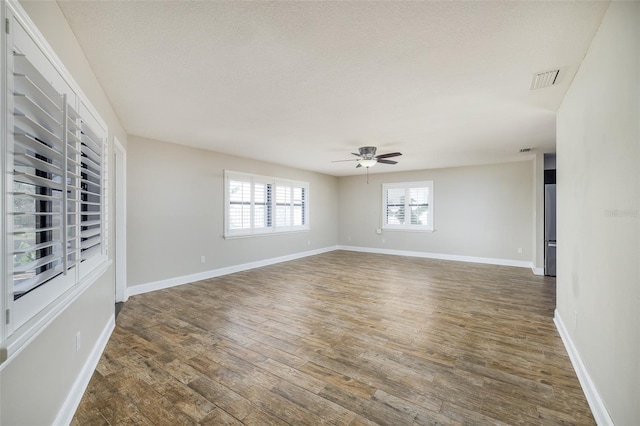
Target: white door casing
[120, 166]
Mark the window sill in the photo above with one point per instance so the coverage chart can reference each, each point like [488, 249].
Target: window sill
[265, 234]
[407, 230]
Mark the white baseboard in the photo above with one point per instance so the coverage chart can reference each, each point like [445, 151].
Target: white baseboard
[537, 271]
[458, 258]
[70, 405]
[596, 404]
[186, 279]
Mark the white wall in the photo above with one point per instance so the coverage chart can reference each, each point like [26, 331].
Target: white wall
[175, 212]
[480, 211]
[483, 211]
[35, 384]
[598, 182]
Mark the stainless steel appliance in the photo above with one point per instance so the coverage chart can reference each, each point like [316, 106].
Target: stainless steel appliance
[550, 230]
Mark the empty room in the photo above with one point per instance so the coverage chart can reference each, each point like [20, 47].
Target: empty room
[320, 212]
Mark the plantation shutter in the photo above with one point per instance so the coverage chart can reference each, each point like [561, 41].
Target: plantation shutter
[91, 192]
[418, 203]
[56, 198]
[260, 204]
[41, 179]
[239, 211]
[408, 206]
[395, 206]
[299, 205]
[283, 205]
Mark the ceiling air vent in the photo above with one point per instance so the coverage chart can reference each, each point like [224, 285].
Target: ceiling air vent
[544, 79]
[526, 149]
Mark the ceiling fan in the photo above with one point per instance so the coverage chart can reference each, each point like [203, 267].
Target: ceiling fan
[368, 158]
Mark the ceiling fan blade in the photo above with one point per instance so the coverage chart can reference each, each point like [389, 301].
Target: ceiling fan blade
[357, 155]
[359, 165]
[389, 155]
[339, 161]
[387, 161]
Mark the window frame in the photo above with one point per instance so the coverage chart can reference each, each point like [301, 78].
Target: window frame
[25, 317]
[407, 186]
[272, 203]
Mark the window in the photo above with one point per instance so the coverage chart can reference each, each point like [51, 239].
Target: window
[408, 206]
[261, 205]
[54, 197]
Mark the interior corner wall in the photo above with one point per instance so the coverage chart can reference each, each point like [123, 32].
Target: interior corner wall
[175, 212]
[598, 201]
[35, 384]
[481, 211]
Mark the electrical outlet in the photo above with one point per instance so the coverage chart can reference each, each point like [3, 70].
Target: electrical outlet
[309, 242]
[202, 259]
[78, 341]
[383, 240]
[379, 231]
[519, 250]
[349, 238]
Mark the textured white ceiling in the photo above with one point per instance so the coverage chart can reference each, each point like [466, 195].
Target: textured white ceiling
[304, 83]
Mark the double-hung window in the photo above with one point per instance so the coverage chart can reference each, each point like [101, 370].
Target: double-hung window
[54, 186]
[261, 205]
[408, 206]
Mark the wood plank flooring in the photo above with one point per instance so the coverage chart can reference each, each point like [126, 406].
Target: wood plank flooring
[341, 338]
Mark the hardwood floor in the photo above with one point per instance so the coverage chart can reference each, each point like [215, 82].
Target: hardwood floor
[341, 338]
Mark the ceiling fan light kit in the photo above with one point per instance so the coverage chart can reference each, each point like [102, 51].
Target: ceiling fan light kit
[368, 163]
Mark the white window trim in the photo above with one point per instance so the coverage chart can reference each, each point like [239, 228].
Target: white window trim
[273, 229]
[429, 227]
[14, 339]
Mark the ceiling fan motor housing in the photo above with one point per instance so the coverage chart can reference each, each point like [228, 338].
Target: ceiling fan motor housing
[368, 152]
